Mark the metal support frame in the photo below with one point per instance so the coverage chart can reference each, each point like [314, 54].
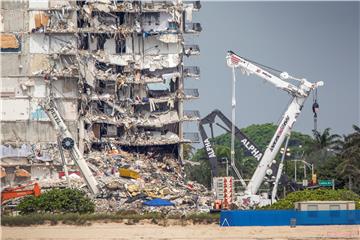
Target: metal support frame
[279, 172]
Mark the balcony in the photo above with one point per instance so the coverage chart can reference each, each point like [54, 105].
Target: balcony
[192, 137]
[191, 93]
[191, 72]
[190, 50]
[191, 115]
[195, 4]
[193, 28]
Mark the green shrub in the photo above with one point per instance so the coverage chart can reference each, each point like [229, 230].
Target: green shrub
[315, 195]
[57, 201]
[85, 219]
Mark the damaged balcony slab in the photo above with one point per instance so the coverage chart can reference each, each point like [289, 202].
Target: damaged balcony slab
[54, 76]
[193, 5]
[52, 21]
[151, 101]
[12, 165]
[152, 120]
[190, 50]
[50, 4]
[190, 93]
[104, 29]
[193, 28]
[191, 72]
[110, 6]
[130, 78]
[148, 142]
[191, 115]
[192, 137]
[151, 62]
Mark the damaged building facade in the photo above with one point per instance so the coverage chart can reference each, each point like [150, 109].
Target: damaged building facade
[113, 69]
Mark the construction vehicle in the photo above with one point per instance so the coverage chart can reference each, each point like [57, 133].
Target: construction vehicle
[299, 94]
[247, 144]
[20, 191]
[67, 142]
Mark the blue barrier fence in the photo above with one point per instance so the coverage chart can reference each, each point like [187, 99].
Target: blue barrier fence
[288, 217]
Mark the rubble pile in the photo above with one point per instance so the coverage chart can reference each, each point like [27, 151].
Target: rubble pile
[144, 177]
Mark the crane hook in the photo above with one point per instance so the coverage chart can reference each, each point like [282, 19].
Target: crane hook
[315, 109]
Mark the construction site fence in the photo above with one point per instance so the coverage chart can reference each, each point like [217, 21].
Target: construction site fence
[288, 217]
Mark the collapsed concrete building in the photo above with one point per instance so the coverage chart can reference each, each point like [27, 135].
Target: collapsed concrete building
[114, 69]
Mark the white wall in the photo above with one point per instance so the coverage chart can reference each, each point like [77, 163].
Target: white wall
[14, 109]
[149, 46]
[149, 22]
[38, 4]
[41, 43]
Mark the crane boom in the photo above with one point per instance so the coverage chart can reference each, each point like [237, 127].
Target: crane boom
[64, 134]
[299, 94]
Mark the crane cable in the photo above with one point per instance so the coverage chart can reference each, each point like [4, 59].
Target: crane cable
[263, 66]
[315, 108]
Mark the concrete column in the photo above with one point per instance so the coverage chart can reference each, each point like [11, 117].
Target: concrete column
[181, 101]
[81, 135]
[181, 114]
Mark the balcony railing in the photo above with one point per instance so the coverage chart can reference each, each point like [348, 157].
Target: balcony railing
[192, 71]
[191, 115]
[193, 28]
[196, 4]
[191, 93]
[191, 136]
[191, 50]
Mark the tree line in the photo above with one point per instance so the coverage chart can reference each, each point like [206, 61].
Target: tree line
[333, 156]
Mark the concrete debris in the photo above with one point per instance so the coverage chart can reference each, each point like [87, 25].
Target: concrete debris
[2, 172]
[158, 176]
[146, 138]
[22, 173]
[9, 151]
[128, 179]
[35, 153]
[145, 119]
[170, 38]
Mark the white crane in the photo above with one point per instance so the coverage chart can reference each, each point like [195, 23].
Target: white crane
[299, 94]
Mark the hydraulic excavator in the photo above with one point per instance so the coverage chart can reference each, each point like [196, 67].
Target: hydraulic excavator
[20, 191]
[248, 145]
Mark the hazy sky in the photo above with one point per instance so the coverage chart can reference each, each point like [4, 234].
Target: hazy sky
[314, 40]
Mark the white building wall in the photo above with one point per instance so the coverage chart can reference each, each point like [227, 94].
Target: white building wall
[15, 109]
[150, 43]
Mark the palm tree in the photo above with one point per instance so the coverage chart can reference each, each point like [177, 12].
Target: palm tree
[348, 171]
[349, 168]
[325, 140]
[222, 151]
[323, 146]
[188, 151]
[355, 136]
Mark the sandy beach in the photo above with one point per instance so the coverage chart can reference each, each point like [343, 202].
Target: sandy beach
[155, 232]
